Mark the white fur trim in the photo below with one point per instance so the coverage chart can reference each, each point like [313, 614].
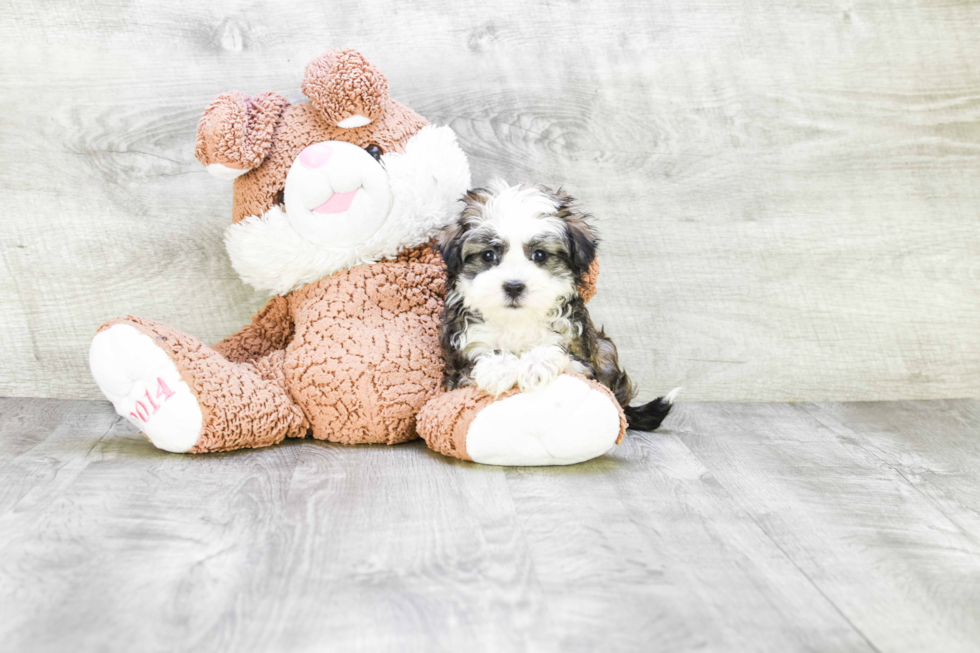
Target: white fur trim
[426, 181]
[670, 396]
[224, 173]
[357, 120]
[566, 422]
[145, 387]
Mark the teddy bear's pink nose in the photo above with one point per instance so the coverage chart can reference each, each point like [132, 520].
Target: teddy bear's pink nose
[315, 155]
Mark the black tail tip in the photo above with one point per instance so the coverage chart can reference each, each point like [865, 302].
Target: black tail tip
[650, 415]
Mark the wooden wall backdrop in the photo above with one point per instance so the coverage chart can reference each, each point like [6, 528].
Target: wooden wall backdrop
[789, 192]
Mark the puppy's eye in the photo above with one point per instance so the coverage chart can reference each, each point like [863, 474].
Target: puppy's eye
[489, 256]
[374, 151]
[539, 256]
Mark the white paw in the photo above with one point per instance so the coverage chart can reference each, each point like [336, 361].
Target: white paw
[541, 366]
[495, 374]
[565, 422]
[145, 387]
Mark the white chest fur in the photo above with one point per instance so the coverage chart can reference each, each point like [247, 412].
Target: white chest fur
[516, 337]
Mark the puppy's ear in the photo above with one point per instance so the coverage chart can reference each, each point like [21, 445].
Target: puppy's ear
[450, 247]
[475, 199]
[583, 242]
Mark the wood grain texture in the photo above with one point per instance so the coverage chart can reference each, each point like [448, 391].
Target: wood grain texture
[789, 194]
[739, 527]
[899, 564]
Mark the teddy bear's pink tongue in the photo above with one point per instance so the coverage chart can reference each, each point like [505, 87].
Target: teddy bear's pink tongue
[337, 203]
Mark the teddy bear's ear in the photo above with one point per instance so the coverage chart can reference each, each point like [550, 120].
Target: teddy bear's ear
[348, 91]
[587, 285]
[235, 132]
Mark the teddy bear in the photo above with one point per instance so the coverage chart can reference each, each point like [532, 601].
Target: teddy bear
[336, 204]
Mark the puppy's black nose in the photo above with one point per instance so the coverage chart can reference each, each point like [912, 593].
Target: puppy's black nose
[514, 289]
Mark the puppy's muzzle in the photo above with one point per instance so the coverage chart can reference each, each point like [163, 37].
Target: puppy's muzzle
[514, 289]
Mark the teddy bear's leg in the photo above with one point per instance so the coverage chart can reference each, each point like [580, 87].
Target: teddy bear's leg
[571, 420]
[188, 398]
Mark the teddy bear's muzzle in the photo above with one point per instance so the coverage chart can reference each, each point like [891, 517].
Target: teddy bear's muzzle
[316, 156]
[336, 194]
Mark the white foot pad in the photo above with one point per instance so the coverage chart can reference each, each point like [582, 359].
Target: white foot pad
[566, 422]
[145, 387]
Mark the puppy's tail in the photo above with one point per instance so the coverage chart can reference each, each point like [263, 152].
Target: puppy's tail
[649, 416]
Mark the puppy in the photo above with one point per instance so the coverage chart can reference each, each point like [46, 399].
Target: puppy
[513, 314]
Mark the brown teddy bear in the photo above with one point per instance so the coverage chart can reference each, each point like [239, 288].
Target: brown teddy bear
[336, 203]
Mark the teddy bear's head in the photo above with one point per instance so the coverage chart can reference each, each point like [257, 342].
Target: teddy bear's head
[350, 177]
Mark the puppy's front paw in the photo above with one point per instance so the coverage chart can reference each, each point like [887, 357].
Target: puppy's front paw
[496, 373]
[541, 366]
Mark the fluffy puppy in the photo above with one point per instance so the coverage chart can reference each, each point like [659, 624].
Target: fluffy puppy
[513, 314]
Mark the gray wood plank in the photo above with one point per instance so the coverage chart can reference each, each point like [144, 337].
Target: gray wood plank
[935, 446]
[788, 193]
[902, 568]
[936, 442]
[307, 545]
[46, 444]
[738, 527]
[645, 549]
[121, 546]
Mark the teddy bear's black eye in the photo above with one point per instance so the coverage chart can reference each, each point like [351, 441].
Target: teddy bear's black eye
[539, 256]
[374, 151]
[489, 256]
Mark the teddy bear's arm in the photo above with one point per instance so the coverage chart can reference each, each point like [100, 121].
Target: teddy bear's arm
[270, 330]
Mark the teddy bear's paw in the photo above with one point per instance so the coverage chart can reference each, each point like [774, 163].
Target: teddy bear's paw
[541, 366]
[145, 387]
[495, 374]
[565, 422]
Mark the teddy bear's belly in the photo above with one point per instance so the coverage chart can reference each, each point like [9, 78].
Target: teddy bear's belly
[361, 381]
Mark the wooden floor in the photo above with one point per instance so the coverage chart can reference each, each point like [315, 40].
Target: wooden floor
[739, 527]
